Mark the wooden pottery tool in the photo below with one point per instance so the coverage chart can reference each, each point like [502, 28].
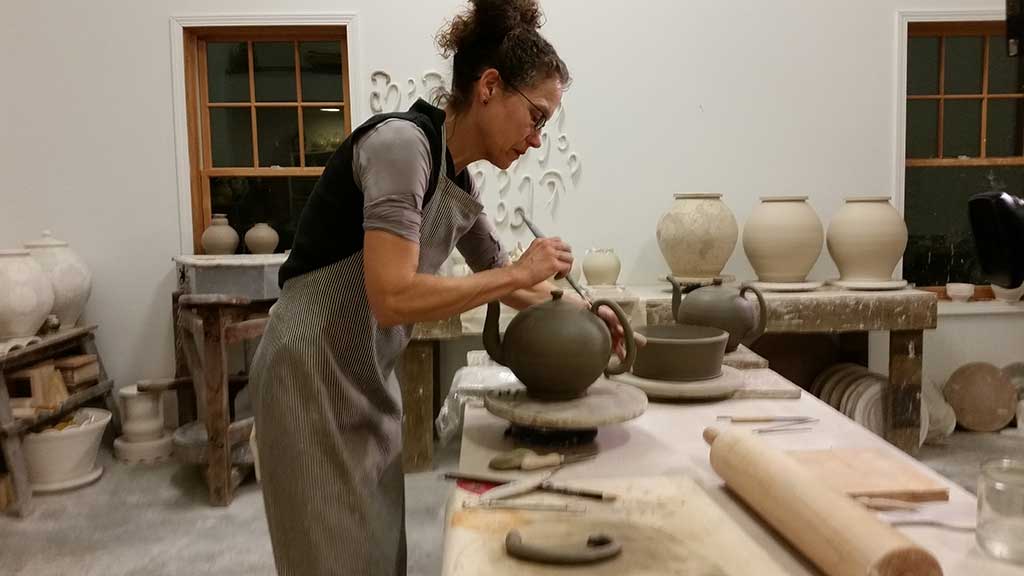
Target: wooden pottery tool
[546, 486]
[836, 533]
[526, 459]
[517, 488]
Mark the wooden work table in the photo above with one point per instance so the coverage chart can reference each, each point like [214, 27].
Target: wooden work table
[666, 440]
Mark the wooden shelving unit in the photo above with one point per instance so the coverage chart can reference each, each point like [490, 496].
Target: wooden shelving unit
[12, 430]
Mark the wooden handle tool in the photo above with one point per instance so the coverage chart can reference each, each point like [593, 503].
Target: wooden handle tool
[835, 532]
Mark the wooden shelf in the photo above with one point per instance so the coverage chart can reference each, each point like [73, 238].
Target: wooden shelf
[43, 416]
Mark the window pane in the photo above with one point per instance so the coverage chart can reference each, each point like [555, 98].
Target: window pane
[276, 201]
[923, 66]
[231, 137]
[961, 128]
[321, 71]
[1004, 72]
[1004, 137]
[941, 248]
[274, 65]
[323, 129]
[964, 60]
[277, 130]
[922, 128]
[227, 71]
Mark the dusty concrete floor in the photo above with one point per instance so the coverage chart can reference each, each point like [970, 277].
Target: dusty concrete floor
[154, 520]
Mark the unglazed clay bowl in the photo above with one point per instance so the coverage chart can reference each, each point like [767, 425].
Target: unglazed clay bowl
[959, 292]
[1008, 294]
[680, 352]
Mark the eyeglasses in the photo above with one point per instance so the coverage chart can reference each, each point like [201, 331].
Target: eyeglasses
[542, 119]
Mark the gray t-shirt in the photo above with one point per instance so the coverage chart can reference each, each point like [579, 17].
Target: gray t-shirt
[391, 164]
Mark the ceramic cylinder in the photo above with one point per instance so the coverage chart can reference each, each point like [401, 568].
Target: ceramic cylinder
[783, 238]
[26, 295]
[220, 237]
[866, 239]
[697, 235]
[601, 266]
[261, 239]
[69, 277]
[143, 414]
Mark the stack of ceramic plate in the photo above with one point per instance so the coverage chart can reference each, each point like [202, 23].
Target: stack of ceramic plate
[854, 391]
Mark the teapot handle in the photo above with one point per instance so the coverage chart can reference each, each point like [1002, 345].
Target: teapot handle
[627, 363]
[762, 315]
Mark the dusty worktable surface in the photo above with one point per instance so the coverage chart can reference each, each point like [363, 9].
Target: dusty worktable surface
[666, 440]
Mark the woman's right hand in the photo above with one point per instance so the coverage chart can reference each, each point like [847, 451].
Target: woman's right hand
[546, 257]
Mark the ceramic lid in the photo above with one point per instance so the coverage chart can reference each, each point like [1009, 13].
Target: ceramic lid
[47, 241]
[783, 198]
[867, 198]
[696, 196]
[14, 252]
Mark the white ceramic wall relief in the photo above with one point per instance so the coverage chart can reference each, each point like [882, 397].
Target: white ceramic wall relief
[536, 181]
[866, 239]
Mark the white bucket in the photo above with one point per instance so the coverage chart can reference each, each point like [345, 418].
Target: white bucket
[60, 456]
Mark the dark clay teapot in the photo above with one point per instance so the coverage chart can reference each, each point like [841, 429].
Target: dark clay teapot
[556, 348]
[722, 307]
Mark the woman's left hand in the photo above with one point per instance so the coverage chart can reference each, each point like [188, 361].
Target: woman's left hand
[615, 328]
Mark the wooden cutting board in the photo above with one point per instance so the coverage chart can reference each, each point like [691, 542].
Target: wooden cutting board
[666, 525]
[871, 472]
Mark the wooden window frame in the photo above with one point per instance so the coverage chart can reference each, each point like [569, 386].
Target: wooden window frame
[943, 30]
[197, 107]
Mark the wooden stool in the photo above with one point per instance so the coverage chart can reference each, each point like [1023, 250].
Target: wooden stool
[207, 324]
[47, 385]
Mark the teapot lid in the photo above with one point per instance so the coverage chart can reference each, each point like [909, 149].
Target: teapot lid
[47, 241]
[557, 294]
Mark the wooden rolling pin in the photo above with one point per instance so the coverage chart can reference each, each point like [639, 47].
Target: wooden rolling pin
[839, 535]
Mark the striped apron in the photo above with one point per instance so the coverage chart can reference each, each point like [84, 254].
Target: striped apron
[329, 410]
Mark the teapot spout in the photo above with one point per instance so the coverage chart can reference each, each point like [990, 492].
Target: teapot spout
[491, 337]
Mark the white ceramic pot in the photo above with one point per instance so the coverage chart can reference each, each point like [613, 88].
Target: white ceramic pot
[220, 237]
[959, 291]
[601, 266]
[68, 274]
[783, 238]
[26, 295]
[697, 235]
[261, 239]
[61, 455]
[1008, 294]
[143, 414]
[866, 239]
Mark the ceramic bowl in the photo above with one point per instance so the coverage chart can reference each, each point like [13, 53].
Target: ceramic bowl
[1008, 294]
[680, 352]
[61, 455]
[959, 292]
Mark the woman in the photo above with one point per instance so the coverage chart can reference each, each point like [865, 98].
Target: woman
[392, 203]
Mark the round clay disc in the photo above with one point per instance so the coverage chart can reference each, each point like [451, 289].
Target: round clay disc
[858, 391]
[869, 285]
[824, 375]
[847, 379]
[723, 386]
[605, 402]
[852, 388]
[982, 396]
[826, 389]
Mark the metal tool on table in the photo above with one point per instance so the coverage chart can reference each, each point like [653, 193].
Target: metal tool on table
[546, 486]
[783, 423]
[526, 459]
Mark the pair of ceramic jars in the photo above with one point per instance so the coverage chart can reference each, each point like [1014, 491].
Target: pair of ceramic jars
[220, 238]
[783, 239]
[46, 277]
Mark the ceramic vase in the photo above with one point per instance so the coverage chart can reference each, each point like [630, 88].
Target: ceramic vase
[261, 239]
[783, 238]
[601, 266]
[220, 237]
[697, 235]
[866, 239]
[26, 295]
[69, 277]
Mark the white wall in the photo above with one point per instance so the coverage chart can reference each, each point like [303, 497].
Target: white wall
[743, 97]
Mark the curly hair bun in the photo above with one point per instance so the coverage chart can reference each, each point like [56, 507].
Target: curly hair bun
[489, 21]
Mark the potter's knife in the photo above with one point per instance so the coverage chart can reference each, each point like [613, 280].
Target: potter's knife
[568, 278]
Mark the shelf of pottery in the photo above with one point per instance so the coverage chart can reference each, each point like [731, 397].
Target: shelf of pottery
[783, 239]
[49, 370]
